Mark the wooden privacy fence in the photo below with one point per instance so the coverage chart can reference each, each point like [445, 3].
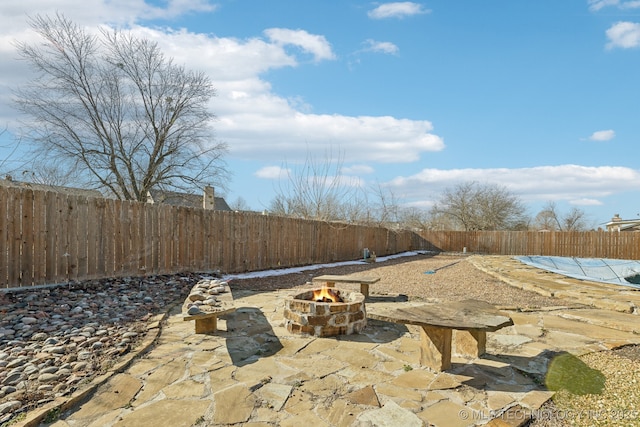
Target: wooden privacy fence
[589, 244]
[49, 237]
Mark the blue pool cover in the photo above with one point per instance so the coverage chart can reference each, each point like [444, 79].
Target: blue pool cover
[615, 271]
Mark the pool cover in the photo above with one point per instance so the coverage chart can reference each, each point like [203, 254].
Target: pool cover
[615, 271]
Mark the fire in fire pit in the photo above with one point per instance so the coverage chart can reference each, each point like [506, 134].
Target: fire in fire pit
[326, 294]
[325, 312]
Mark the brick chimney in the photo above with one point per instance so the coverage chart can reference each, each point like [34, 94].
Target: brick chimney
[208, 200]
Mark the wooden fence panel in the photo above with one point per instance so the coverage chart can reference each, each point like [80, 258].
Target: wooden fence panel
[169, 241]
[261, 242]
[137, 243]
[180, 238]
[15, 231]
[192, 251]
[39, 238]
[72, 253]
[215, 225]
[4, 238]
[160, 228]
[131, 239]
[26, 239]
[171, 238]
[286, 241]
[121, 230]
[61, 217]
[186, 239]
[598, 244]
[225, 236]
[93, 224]
[150, 250]
[83, 238]
[50, 249]
[110, 236]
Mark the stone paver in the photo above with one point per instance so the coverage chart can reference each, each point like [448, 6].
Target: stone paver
[390, 415]
[253, 372]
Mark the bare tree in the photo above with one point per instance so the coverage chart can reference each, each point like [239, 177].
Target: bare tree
[49, 174]
[356, 209]
[315, 190]
[475, 206]
[10, 148]
[458, 204]
[386, 206]
[546, 220]
[550, 219]
[414, 218]
[575, 220]
[240, 204]
[113, 107]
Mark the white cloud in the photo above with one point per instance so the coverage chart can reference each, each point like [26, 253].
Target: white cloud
[316, 45]
[272, 172]
[223, 58]
[345, 178]
[635, 4]
[421, 204]
[95, 12]
[603, 135]
[397, 10]
[363, 138]
[347, 181]
[174, 8]
[257, 123]
[564, 182]
[357, 170]
[624, 35]
[382, 47]
[596, 5]
[585, 202]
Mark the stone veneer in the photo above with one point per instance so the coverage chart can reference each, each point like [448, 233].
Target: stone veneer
[324, 319]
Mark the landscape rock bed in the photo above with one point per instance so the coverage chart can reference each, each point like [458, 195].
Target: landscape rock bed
[54, 339]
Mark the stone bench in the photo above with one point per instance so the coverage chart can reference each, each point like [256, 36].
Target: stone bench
[364, 281]
[455, 327]
[208, 299]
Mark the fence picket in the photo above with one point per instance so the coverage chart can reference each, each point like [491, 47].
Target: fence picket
[4, 236]
[14, 229]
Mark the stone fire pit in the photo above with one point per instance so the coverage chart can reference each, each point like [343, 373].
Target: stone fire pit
[308, 314]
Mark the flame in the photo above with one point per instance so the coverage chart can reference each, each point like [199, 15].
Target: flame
[326, 294]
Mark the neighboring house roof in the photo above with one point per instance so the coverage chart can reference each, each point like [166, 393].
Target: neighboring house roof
[622, 226]
[619, 224]
[72, 191]
[184, 199]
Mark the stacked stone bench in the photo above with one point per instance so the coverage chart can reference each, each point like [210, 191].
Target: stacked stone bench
[364, 281]
[455, 327]
[208, 299]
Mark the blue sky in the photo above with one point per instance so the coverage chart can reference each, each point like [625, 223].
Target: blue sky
[541, 96]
